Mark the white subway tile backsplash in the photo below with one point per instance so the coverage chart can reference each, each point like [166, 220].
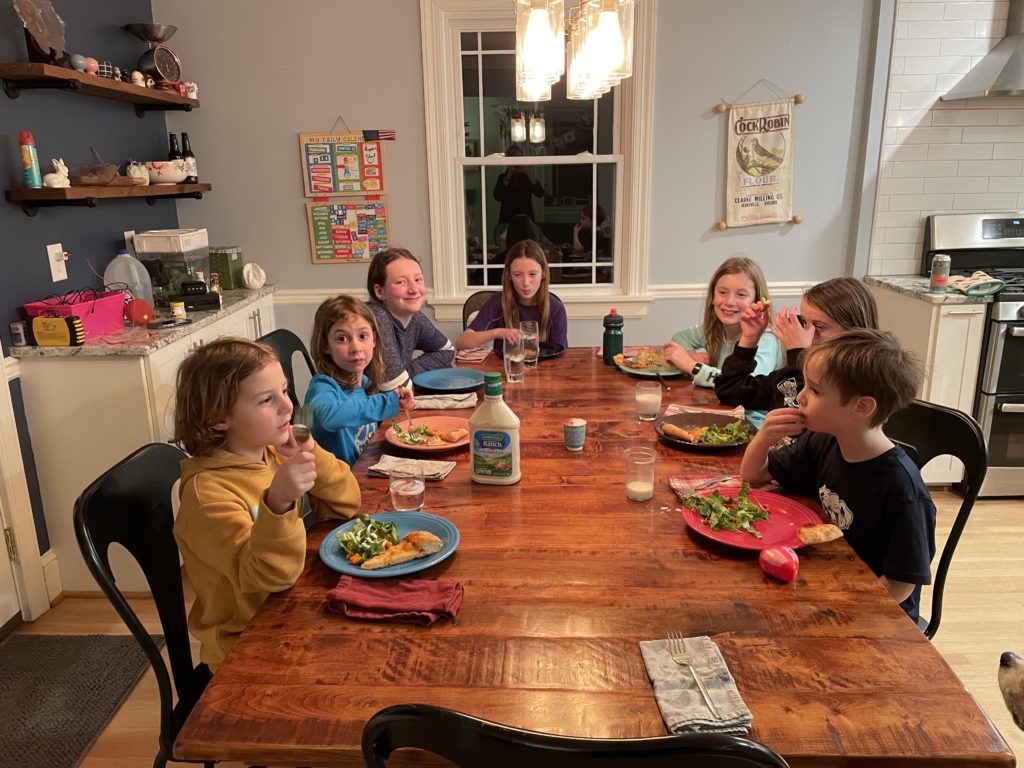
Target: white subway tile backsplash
[987, 11]
[905, 152]
[921, 48]
[882, 203]
[912, 83]
[928, 135]
[986, 202]
[915, 100]
[1010, 117]
[895, 250]
[957, 184]
[885, 170]
[897, 219]
[960, 151]
[905, 187]
[903, 235]
[989, 168]
[970, 46]
[920, 11]
[936, 65]
[965, 117]
[916, 29]
[923, 168]
[911, 118]
[1008, 152]
[901, 30]
[994, 135]
[944, 83]
[920, 202]
[896, 66]
[1006, 184]
[993, 29]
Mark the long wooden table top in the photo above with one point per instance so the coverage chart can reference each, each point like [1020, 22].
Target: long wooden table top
[563, 577]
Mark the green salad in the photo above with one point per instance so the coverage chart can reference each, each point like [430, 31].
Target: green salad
[734, 432]
[367, 538]
[728, 514]
[415, 436]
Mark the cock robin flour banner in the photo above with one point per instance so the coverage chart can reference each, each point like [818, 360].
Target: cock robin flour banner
[759, 186]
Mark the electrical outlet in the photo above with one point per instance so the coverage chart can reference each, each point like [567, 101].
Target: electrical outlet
[129, 241]
[55, 256]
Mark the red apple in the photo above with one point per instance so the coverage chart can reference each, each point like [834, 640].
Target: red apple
[780, 562]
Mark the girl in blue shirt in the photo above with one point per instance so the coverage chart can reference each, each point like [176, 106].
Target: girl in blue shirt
[347, 407]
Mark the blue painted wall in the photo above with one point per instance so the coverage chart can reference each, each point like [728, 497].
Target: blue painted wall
[66, 125]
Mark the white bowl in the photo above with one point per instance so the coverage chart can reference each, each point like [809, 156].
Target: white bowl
[166, 171]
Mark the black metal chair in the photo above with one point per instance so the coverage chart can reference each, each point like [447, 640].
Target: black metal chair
[473, 304]
[130, 504]
[926, 430]
[285, 345]
[470, 742]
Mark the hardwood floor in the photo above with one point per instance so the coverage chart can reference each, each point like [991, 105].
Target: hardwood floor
[983, 616]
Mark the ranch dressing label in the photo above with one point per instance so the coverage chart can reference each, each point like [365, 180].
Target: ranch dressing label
[492, 453]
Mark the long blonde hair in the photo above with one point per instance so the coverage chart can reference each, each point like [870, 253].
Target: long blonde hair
[335, 310]
[714, 335]
[528, 249]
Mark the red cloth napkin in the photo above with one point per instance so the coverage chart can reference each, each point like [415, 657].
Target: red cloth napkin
[415, 601]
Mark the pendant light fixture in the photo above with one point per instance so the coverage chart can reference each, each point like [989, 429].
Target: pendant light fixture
[518, 127]
[538, 130]
[600, 48]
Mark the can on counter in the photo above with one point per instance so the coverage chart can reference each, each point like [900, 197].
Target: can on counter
[940, 273]
[178, 310]
[18, 334]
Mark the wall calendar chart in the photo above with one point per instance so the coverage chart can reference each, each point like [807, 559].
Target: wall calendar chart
[349, 163]
[347, 231]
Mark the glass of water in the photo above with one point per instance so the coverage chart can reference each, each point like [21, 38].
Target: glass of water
[408, 488]
[515, 363]
[648, 400]
[531, 342]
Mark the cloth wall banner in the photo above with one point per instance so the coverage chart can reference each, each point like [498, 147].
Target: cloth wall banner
[759, 184]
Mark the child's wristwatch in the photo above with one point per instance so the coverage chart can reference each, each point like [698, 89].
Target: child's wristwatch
[696, 369]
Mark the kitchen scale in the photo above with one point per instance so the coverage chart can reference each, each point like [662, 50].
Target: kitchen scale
[159, 62]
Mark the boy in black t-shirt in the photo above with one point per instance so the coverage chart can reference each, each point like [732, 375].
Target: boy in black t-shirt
[867, 485]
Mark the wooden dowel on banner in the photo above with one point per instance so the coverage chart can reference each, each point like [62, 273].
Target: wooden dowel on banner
[721, 225]
[797, 219]
[799, 99]
[721, 107]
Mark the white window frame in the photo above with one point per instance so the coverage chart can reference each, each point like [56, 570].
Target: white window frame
[441, 23]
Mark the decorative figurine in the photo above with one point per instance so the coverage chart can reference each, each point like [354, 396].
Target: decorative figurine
[138, 79]
[191, 90]
[150, 82]
[59, 178]
[91, 65]
[78, 62]
[253, 276]
[137, 173]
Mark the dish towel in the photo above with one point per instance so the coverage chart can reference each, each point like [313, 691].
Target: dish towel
[474, 355]
[682, 707]
[414, 601]
[674, 408]
[444, 402]
[978, 284]
[432, 470]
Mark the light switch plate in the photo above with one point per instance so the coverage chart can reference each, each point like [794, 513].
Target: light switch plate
[55, 255]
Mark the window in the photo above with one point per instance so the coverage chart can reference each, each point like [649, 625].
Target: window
[469, 65]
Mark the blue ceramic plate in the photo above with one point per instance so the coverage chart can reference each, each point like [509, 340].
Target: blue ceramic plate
[334, 557]
[450, 380]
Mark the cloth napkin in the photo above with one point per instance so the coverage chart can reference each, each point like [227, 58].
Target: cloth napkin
[684, 485]
[978, 284]
[443, 402]
[674, 408]
[474, 355]
[432, 470]
[414, 601]
[627, 351]
[682, 707]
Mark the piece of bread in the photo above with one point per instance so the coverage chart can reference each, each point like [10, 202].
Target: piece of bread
[691, 435]
[819, 534]
[454, 436]
[414, 544]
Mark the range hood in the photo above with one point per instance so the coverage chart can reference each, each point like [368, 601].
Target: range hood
[1001, 72]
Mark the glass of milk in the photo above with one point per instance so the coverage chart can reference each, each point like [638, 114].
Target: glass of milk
[648, 400]
[640, 473]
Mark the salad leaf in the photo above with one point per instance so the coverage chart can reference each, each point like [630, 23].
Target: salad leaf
[415, 436]
[734, 432]
[723, 513]
[367, 538]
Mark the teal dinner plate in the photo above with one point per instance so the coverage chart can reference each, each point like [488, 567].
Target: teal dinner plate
[334, 556]
[452, 380]
[665, 370]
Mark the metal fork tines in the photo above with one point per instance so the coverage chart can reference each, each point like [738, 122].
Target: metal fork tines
[677, 650]
[711, 482]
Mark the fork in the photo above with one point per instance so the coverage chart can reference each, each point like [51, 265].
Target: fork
[711, 482]
[677, 650]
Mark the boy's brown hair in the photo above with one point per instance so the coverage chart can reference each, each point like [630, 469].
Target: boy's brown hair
[864, 362]
[327, 314]
[207, 388]
[377, 274]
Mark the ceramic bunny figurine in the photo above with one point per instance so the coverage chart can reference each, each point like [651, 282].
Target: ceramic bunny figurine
[59, 178]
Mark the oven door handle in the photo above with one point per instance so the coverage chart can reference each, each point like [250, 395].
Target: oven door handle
[1011, 407]
[1017, 331]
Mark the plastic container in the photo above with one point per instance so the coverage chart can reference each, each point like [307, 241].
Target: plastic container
[125, 268]
[494, 438]
[612, 340]
[30, 160]
[100, 313]
[172, 257]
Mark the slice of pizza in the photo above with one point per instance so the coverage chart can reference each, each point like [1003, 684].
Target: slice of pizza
[413, 545]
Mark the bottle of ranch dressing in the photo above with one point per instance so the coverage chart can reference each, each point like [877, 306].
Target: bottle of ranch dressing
[494, 438]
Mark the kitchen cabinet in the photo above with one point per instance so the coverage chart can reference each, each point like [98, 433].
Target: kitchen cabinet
[947, 338]
[89, 408]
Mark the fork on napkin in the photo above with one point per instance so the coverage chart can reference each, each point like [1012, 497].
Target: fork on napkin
[432, 470]
[682, 707]
[442, 402]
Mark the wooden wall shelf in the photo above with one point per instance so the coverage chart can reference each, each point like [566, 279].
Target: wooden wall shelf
[33, 199]
[25, 76]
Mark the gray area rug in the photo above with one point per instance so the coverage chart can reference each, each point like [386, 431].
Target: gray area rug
[58, 692]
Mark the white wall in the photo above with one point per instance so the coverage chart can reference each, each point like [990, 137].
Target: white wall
[942, 156]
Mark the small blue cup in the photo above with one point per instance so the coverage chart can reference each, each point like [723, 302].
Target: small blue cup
[575, 431]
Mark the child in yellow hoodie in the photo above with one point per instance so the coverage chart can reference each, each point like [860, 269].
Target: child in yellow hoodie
[239, 527]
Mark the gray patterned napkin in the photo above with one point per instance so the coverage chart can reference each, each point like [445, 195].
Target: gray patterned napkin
[432, 470]
[678, 697]
[440, 402]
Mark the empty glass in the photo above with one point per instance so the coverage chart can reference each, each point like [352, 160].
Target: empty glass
[648, 400]
[531, 342]
[640, 473]
[407, 487]
[514, 361]
[302, 423]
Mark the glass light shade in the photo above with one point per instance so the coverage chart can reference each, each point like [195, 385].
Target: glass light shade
[537, 129]
[532, 90]
[540, 42]
[518, 128]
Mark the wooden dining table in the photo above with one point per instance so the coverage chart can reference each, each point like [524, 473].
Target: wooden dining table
[563, 577]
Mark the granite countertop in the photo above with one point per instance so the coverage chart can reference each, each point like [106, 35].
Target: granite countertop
[144, 341]
[916, 287]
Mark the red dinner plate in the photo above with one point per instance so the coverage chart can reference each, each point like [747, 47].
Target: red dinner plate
[785, 517]
[438, 423]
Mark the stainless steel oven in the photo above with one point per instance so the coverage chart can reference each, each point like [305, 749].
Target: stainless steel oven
[993, 243]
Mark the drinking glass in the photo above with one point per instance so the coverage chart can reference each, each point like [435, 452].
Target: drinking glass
[531, 342]
[407, 487]
[302, 423]
[640, 473]
[514, 361]
[648, 400]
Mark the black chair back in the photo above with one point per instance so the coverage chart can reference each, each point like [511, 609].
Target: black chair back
[926, 430]
[130, 505]
[285, 345]
[473, 304]
[470, 742]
